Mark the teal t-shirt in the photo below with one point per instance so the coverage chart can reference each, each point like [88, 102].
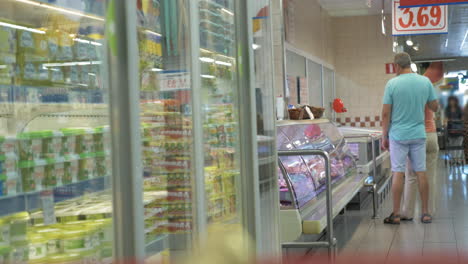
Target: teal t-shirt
[408, 94]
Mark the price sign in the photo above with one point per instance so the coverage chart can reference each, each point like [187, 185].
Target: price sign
[419, 20]
[413, 3]
[174, 81]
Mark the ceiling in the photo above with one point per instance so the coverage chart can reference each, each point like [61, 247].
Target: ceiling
[443, 46]
[339, 8]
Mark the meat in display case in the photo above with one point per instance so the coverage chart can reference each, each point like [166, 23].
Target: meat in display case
[306, 174]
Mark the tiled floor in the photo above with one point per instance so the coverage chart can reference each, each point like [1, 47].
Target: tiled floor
[358, 234]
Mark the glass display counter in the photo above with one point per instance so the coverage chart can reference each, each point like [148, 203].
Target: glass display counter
[364, 144]
[302, 179]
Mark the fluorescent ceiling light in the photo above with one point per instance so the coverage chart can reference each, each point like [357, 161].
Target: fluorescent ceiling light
[60, 9]
[206, 59]
[416, 47]
[152, 33]
[22, 28]
[464, 40]
[156, 69]
[409, 42]
[223, 63]
[227, 11]
[72, 63]
[446, 43]
[414, 68]
[207, 76]
[395, 44]
[256, 46]
[87, 42]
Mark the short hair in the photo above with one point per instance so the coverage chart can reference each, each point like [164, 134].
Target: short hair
[403, 60]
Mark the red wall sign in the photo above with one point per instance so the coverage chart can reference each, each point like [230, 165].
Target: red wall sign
[413, 3]
[419, 20]
[390, 68]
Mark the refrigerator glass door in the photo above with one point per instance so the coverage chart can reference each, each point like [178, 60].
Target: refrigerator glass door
[55, 166]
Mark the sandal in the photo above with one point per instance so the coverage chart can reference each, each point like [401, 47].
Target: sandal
[428, 221]
[391, 220]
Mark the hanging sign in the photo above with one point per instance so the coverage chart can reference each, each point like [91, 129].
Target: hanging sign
[419, 20]
[414, 3]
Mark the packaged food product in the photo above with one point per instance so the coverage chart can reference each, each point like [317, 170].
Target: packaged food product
[10, 186]
[52, 146]
[4, 232]
[50, 176]
[30, 145]
[18, 226]
[27, 182]
[38, 174]
[85, 143]
[69, 141]
[19, 252]
[52, 237]
[5, 254]
[37, 247]
[59, 172]
[87, 168]
[98, 138]
[71, 169]
[67, 258]
[8, 40]
[75, 239]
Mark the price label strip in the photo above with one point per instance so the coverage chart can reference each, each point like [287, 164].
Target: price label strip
[419, 20]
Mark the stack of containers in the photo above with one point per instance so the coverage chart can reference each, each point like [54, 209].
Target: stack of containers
[8, 167]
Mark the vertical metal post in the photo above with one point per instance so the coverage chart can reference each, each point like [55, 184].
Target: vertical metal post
[247, 121]
[198, 170]
[125, 128]
[322, 83]
[374, 184]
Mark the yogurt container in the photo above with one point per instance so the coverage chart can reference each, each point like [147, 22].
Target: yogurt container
[71, 170]
[30, 145]
[4, 232]
[75, 239]
[18, 226]
[53, 146]
[5, 254]
[87, 169]
[37, 247]
[85, 143]
[19, 252]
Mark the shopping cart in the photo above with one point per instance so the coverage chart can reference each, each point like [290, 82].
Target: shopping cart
[453, 141]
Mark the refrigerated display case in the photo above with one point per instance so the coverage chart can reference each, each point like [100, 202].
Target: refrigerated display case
[372, 160]
[302, 179]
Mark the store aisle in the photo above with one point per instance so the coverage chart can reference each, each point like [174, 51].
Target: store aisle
[358, 234]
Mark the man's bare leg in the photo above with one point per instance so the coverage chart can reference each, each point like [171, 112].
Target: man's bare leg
[423, 192]
[397, 190]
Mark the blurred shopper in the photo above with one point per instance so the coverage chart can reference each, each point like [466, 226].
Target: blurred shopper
[411, 180]
[403, 130]
[454, 125]
[435, 73]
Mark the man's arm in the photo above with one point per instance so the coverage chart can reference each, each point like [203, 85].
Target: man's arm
[433, 105]
[386, 115]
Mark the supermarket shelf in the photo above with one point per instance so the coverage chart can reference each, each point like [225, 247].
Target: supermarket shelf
[31, 201]
[156, 246]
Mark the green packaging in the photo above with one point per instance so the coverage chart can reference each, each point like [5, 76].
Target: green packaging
[4, 232]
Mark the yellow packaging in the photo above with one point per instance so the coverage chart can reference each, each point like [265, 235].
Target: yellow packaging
[75, 239]
[37, 247]
[18, 226]
[7, 40]
[4, 232]
[19, 252]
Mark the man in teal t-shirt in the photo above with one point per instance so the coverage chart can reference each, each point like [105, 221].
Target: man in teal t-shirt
[404, 132]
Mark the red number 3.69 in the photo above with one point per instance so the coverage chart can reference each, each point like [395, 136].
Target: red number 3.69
[422, 18]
